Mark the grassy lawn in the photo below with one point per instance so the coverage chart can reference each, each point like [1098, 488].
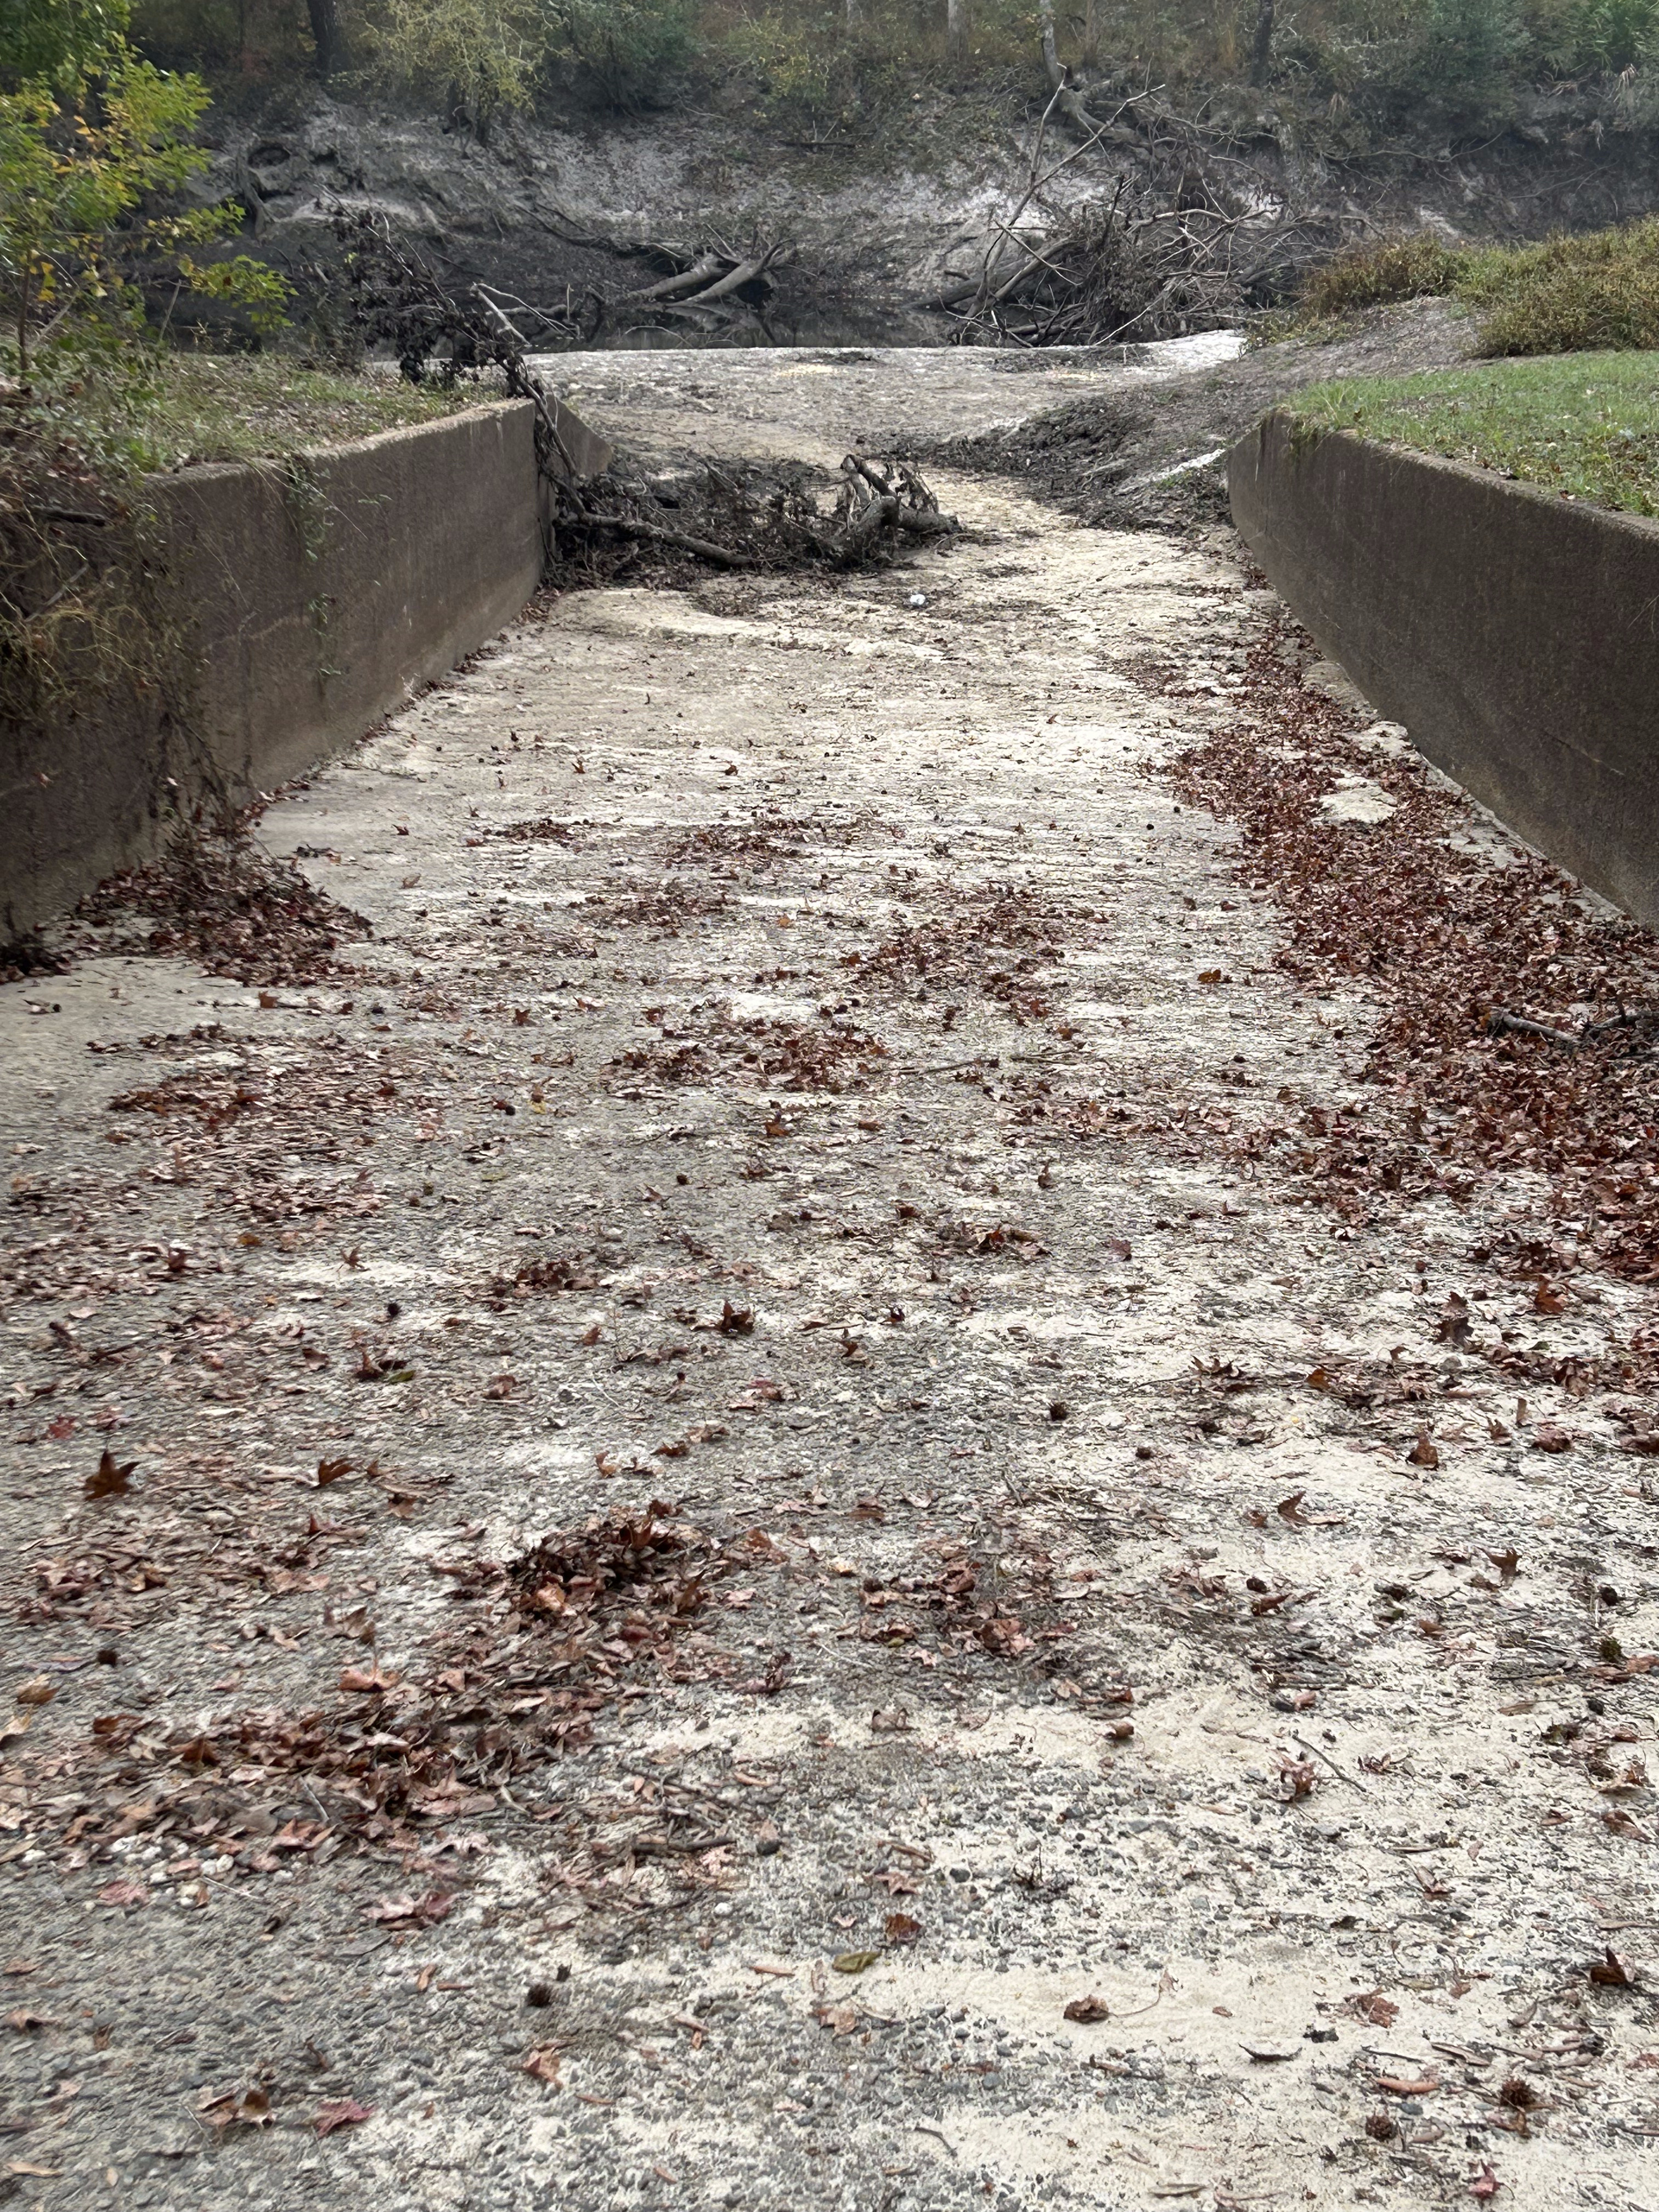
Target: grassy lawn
[1584, 424]
[232, 407]
[241, 407]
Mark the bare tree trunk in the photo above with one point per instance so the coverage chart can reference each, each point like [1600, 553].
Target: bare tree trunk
[1051, 58]
[1092, 35]
[1261, 44]
[958, 28]
[325, 35]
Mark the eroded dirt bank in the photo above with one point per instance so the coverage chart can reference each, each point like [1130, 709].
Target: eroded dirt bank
[1116, 1701]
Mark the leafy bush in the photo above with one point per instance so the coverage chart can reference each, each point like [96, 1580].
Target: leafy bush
[1465, 57]
[55, 39]
[1569, 295]
[79, 173]
[1576, 38]
[477, 55]
[1421, 265]
[800, 70]
[1592, 293]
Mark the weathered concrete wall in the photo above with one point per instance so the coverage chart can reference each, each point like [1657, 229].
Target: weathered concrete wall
[1514, 633]
[297, 605]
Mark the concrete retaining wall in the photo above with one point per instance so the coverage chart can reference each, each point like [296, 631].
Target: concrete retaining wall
[1514, 633]
[305, 601]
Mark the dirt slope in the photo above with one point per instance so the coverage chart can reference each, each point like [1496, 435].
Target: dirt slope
[1159, 456]
[1114, 1705]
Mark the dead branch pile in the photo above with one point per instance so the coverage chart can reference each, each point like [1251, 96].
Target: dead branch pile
[745, 517]
[705, 289]
[396, 302]
[1098, 273]
[1166, 248]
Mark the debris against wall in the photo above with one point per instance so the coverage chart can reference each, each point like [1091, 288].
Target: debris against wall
[1516, 633]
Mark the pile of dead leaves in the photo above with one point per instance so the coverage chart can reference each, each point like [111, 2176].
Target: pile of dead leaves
[620, 1584]
[665, 908]
[766, 840]
[802, 1056]
[548, 1277]
[1019, 1612]
[215, 897]
[499, 1696]
[784, 1055]
[256, 1140]
[1515, 1036]
[213, 1103]
[992, 1240]
[996, 943]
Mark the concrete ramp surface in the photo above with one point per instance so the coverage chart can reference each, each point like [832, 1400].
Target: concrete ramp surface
[840, 1484]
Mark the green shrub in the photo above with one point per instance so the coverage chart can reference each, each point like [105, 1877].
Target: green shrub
[800, 70]
[1420, 265]
[1569, 295]
[1575, 38]
[1466, 61]
[86, 176]
[477, 56]
[1594, 293]
[56, 38]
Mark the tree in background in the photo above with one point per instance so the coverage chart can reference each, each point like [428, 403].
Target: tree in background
[1351, 72]
[1261, 42]
[476, 56]
[326, 35]
[79, 166]
[55, 39]
[621, 49]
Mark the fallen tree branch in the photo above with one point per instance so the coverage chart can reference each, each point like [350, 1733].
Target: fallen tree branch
[657, 533]
[1498, 1021]
[746, 272]
[708, 265]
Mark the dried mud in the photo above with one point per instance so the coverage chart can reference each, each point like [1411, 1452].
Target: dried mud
[760, 1545]
[1157, 458]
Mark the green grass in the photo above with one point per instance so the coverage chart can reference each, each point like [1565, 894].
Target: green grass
[242, 407]
[185, 407]
[1565, 296]
[1584, 424]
